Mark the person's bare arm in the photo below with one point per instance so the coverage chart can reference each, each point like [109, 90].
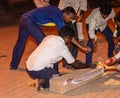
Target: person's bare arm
[75, 42]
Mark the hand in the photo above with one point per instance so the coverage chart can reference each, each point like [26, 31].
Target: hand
[110, 61]
[87, 49]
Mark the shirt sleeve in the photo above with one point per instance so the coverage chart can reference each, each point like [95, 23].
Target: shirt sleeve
[92, 26]
[68, 56]
[112, 15]
[65, 53]
[117, 56]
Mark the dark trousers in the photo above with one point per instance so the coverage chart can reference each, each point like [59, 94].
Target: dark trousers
[26, 29]
[73, 48]
[109, 36]
[45, 74]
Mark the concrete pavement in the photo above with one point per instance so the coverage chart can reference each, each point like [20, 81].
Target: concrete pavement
[14, 84]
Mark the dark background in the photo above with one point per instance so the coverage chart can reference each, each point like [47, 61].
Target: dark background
[11, 10]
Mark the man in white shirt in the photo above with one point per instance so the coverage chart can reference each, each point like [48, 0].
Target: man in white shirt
[41, 63]
[97, 21]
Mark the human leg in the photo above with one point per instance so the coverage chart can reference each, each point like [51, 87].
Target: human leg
[109, 35]
[35, 31]
[18, 48]
[89, 44]
[26, 29]
[45, 74]
[89, 55]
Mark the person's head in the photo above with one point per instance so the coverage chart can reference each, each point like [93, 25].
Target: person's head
[67, 33]
[68, 14]
[54, 2]
[105, 10]
[117, 19]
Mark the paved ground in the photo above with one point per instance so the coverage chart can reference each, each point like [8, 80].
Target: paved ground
[14, 84]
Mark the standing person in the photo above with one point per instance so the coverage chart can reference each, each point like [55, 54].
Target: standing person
[97, 21]
[51, 50]
[30, 24]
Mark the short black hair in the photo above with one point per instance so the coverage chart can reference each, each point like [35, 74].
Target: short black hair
[54, 2]
[105, 9]
[69, 9]
[117, 17]
[66, 31]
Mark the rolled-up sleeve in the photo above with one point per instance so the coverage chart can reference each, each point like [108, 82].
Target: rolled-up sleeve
[92, 27]
[68, 56]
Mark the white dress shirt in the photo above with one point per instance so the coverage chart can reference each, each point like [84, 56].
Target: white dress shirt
[51, 50]
[73, 3]
[96, 21]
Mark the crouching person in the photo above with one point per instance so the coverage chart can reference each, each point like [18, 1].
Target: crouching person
[42, 63]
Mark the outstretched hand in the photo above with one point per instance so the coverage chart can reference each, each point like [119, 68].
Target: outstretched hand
[87, 49]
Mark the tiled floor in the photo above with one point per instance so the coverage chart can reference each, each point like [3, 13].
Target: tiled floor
[14, 84]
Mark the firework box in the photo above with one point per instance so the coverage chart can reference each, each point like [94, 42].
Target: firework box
[68, 82]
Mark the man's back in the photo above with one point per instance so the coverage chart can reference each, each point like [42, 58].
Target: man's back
[47, 53]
